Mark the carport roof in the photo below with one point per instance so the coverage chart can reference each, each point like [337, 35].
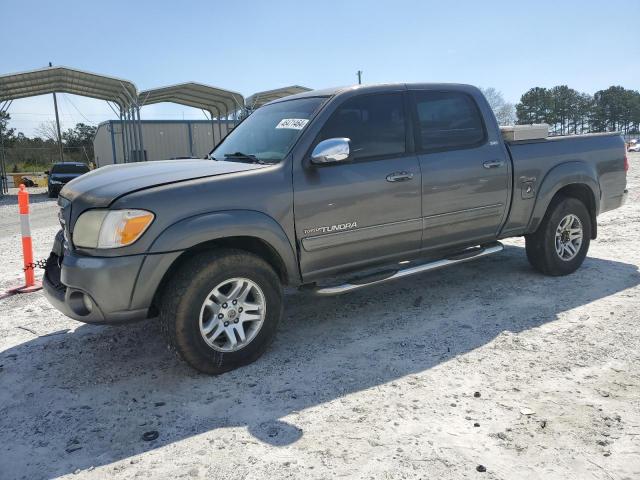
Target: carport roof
[197, 95]
[67, 80]
[258, 99]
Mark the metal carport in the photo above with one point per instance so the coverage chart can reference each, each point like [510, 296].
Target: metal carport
[216, 101]
[260, 98]
[121, 95]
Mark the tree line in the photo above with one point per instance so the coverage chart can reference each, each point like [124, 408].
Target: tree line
[37, 153]
[568, 111]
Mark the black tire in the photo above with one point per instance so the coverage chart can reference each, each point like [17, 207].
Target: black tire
[541, 245]
[183, 295]
[51, 193]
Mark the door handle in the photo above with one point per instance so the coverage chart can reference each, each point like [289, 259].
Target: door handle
[493, 164]
[399, 176]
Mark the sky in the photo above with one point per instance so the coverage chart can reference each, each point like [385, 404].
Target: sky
[249, 46]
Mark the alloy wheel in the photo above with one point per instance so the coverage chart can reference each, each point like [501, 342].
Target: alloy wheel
[232, 314]
[568, 238]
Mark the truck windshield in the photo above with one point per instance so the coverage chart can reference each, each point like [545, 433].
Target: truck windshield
[269, 132]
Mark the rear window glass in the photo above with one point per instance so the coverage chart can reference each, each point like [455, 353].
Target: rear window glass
[448, 120]
[69, 168]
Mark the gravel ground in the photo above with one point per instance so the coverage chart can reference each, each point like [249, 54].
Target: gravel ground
[378, 384]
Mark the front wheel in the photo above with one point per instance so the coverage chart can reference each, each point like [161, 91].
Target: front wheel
[221, 309]
[561, 242]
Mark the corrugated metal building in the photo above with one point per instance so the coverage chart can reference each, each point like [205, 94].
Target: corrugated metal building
[163, 139]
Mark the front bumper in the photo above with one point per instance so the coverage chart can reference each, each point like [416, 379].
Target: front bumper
[98, 289]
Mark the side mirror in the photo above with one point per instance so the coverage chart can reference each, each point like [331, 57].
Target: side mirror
[46, 172]
[331, 150]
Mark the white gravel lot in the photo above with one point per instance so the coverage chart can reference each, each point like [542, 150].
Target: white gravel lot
[377, 384]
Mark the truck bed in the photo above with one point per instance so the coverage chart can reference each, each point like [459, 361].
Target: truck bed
[536, 161]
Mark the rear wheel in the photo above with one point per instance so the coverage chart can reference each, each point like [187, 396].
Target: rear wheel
[221, 309]
[561, 242]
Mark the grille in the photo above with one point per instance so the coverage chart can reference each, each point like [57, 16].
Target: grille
[64, 214]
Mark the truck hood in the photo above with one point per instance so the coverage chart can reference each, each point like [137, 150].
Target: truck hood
[100, 187]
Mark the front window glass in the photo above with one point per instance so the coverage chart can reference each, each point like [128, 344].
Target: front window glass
[374, 124]
[269, 132]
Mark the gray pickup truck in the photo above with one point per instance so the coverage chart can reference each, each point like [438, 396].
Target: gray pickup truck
[331, 191]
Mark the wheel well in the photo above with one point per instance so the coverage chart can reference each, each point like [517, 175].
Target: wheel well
[253, 245]
[581, 192]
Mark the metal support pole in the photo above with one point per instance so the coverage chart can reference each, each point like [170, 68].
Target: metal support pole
[55, 107]
[3, 169]
[132, 139]
[128, 135]
[124, 136]
[213, 129]
[143, 156]
[226, 123]
[4, 186]
[136, 142]
[124, 144]
[219, 125]
[132, 142]
[134, 126]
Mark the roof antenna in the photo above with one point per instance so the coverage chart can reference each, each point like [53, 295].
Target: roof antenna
[359, 77]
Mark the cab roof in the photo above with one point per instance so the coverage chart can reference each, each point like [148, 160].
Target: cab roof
[331, 92]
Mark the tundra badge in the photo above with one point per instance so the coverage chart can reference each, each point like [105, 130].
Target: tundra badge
[331, 228]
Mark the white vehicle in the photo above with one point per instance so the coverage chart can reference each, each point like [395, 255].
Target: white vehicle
[634, 146]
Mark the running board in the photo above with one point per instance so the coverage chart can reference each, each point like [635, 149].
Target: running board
[388, 275]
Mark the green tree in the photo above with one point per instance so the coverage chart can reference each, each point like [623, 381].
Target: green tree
[616, 109]
[581, 117]
[564, 107]
[568, 111]
[535, 106]
[81, 135]
[6, 134]
[79, 141]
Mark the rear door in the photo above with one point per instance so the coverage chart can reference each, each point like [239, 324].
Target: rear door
[465, 178]
[365, 210]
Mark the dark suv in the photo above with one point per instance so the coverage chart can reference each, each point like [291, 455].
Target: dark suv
[61, 173]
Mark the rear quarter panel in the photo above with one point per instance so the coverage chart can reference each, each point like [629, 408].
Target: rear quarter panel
[550, 164]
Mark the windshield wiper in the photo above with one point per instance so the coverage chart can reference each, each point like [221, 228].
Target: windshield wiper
[244, 156]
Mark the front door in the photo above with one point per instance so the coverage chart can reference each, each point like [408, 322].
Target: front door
[465, 177]
[367, 209]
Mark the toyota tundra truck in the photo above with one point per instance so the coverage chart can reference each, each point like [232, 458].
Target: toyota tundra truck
[329, 191]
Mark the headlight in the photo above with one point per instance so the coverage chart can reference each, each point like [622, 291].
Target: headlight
[55, 182]
[110, 228]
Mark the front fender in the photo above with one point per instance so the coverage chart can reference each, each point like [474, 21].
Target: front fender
[574, 172]
[198, 229]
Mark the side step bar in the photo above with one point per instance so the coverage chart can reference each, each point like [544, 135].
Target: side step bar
[388, 275]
